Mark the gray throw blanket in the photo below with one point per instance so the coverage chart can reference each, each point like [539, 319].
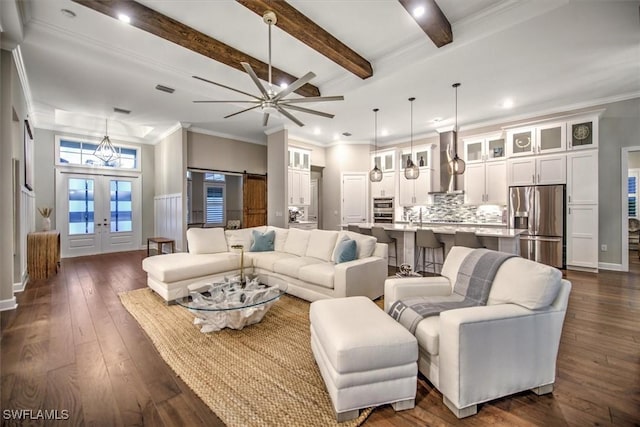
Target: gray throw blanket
[475, 276]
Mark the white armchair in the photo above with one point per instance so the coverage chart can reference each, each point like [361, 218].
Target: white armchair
[476, 354]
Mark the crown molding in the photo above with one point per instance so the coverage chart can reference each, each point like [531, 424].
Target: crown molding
[226, 135]
[24, 82]
[168, 132]
[275, 129]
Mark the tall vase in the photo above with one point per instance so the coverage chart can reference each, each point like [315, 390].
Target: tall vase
[46, 224]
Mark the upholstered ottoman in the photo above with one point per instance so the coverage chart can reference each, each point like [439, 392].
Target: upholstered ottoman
[365, 357]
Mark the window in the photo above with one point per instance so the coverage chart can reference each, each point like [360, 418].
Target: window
[214, 203]
[214, 177]
[632, 185]
[76, 152]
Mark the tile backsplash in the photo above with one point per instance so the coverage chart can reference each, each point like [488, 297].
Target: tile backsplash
[451, 208]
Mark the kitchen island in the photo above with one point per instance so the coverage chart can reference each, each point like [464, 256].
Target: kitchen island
[500, 239]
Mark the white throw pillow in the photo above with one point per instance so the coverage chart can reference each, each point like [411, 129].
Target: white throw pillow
[365, 245]
[281, 237]
[322, 244]
[206, 240]
[297, 241]
[526, 283]
[242, 237]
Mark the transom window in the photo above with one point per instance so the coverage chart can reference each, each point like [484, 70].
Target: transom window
[77, 152]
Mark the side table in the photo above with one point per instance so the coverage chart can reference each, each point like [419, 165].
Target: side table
[160, 241]
[43, 254]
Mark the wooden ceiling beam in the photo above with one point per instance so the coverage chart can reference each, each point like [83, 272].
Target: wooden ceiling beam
[176, 32]
[432, 21]
[308, 32]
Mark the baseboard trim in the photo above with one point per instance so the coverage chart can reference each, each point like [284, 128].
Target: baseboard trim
[20, 286]
[8, 304]
[610, 266]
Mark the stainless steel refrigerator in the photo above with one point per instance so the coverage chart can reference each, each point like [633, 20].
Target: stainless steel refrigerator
[540, 211]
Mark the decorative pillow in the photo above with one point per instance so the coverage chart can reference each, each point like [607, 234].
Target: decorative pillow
[242, 236]
[321, 244]
[263, 242]
[281, 237]
[341, 238]
[365, 244]
[526, 283]
[297, 242]
[345, 251]
[206, 240]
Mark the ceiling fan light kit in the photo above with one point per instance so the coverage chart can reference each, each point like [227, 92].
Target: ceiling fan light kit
[457, 166]
[411, 171]
[376, 174]
[272, 102]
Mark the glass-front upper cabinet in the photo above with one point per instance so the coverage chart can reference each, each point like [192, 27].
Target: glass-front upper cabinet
[299, 158]
[521, 141]
[385, 160]
[481, 149]
[583, 133]
[551, 137]
[421, 156]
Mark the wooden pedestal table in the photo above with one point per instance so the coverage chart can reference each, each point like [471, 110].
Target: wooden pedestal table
[43, 254]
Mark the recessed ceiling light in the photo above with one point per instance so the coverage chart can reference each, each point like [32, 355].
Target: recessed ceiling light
[418, 11]
[68, 13]
[124, 18]
[283, 85]
[317, 131]
[336, 136]
[507, 103]
[436, 120]
[384, 132]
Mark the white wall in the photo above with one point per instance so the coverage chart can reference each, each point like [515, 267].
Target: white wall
[277, 178]
[226, 155]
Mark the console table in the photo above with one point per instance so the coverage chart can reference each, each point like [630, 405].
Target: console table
[43, 254]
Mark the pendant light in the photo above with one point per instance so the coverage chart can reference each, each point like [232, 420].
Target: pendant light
[376, 174]
[456, 165]
[105, 150]
[411, 171]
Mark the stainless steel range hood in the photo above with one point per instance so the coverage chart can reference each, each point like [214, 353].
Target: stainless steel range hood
[447, 151]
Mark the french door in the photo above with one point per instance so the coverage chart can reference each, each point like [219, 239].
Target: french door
[97, 213]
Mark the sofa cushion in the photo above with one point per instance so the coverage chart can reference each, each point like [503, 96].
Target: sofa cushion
[345, 251]
[428, 335]
[265, 260]
[452, 262]
[263, 242]
[297, 241]
[242, 237]
[181, 266]
[319, 274]
[281, 237]
[291, 266]
[321, 244]
[526, 283]
[365, 244]
[206, 240]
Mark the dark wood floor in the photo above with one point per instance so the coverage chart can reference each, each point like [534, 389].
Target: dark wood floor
[72, 346]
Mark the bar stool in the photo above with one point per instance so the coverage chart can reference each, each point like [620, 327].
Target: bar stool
[383, 237]
[365, 231]
[426, 239]
[353, 228]
[467, 239]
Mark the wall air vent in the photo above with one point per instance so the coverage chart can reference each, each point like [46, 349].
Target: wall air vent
[121, 110]
[165, 89]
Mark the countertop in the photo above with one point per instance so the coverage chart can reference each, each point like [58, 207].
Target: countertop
[447, 229]
[303, 222]
[464, 224]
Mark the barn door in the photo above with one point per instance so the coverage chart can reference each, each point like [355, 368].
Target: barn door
[254, 190]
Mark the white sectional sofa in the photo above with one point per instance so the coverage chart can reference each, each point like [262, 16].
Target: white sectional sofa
[303, 259]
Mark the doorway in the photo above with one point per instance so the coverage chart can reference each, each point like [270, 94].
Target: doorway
[98, 213]
[630, 192]
[355, 196]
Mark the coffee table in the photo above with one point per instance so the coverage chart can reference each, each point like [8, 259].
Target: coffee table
[230, 304]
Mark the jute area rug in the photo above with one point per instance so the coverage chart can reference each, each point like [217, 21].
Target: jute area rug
[263, 375]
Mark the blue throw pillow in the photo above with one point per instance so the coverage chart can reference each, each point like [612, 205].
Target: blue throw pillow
[346, 251]
[262, 242]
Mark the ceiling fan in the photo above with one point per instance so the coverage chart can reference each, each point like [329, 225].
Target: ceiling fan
[270, 101]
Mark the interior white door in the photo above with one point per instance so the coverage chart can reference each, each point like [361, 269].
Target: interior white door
[97, 214]
[354, 197]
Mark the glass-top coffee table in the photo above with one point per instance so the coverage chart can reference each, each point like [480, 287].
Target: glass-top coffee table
[230, 304]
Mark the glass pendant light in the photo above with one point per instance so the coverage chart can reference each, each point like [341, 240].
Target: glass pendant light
[376, 174]
[457, 166]
[411, 171]
[105, 150]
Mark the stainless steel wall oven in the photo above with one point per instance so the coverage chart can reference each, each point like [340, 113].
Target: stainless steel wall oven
[383, 210]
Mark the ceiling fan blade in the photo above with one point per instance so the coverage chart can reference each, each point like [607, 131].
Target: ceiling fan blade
[242, 111]
[307, 110]
[294, 86]
[255, 79]
[233, 102]
[312, 99]
[265, 119]
[289, 116]
[226, 87]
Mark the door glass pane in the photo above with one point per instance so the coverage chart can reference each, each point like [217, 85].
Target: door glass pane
[496, 148]
[120, 206]
[81, 206]
[388, 162]
[550, 138]
[474, 151]
[422, 158]
[582, 134]
[403, 160]
[521, 142]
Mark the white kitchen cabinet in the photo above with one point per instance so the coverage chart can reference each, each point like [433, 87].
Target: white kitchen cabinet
[521, 141]
[551, 137]
[582, 236]
[415, 192]
[385, 160]
[299, 158]
[486, 183]
[484, 148]
[299, 182]
[538, 170]
[582, 177]
[386, 187]
[583, 133]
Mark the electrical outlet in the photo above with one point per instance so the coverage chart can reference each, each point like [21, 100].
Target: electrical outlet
[603, 248]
